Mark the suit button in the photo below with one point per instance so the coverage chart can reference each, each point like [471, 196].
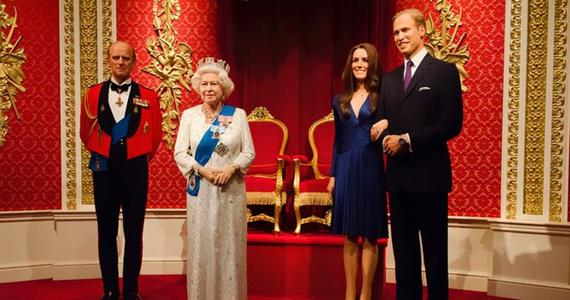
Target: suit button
[122, 141]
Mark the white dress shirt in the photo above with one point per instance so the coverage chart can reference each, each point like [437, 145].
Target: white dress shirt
[416, 59]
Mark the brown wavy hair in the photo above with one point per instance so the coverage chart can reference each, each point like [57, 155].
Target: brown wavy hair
[371, 82]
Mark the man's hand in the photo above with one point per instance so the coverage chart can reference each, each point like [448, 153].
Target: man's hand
[392, 145]
[377, 129]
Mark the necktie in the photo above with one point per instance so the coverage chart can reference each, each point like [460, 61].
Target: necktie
[119, 88]
[408, 74]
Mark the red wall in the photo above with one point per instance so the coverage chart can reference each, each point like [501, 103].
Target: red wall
[197, 27]
[30, 171]
[476, 153]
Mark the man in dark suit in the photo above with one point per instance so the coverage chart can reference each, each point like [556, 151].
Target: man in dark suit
[422, 102]
[121, 127]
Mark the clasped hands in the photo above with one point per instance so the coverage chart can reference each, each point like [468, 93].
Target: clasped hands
[377, 129]
[391, 143]
[219, 177]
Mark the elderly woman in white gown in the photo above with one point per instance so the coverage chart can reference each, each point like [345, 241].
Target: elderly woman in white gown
[213, 151]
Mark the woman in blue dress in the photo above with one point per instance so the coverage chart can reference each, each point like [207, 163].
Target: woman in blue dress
[357, 168]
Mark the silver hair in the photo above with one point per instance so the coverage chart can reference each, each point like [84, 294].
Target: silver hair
[226, 82]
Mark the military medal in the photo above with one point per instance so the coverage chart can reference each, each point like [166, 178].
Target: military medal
[221, 149]
[215, 132]
[119, 102]
[136, 110]
[102, 107]
[140, 102]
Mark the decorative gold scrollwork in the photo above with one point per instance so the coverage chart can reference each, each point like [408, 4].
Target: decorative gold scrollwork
[69, 112]
[171, 62]
[260, 113]
[444, 42]
[11, 76]
[513, 106]
[559, 91]
[535, 107]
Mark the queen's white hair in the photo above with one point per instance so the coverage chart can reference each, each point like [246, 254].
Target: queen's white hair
[226, 83]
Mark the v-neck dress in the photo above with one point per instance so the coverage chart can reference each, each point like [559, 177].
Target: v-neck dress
[359, 198]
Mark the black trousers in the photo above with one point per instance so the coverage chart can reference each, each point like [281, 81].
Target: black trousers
[124, 185]
[413, 216]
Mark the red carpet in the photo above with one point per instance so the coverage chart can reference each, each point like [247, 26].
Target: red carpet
[152, 287]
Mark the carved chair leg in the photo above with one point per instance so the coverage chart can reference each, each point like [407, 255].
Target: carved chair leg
[277, 217]
[298, 218]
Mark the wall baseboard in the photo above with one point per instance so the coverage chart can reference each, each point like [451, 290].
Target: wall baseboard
[26, 272]
[460, 281]
[527, 290]
[521, 260]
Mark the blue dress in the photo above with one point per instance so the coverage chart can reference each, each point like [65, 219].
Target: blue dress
[359, 199]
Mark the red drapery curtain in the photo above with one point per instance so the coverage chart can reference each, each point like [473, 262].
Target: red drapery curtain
[288, 55]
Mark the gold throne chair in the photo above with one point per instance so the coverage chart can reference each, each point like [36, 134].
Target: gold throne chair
[312, 177]
[264, 179]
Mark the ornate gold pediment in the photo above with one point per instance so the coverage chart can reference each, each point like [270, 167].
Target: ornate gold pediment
[260, 113]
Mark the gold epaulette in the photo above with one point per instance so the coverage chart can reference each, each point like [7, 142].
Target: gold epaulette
[86, 107]
[92, 117]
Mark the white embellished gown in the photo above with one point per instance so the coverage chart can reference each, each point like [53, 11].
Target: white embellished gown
[216, 218]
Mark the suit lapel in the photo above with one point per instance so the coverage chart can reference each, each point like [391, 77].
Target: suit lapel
[422, 69]
[104, 113]
[399, 82]
[135, 111]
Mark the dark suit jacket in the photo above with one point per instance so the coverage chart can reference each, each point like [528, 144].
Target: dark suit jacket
[431, 112]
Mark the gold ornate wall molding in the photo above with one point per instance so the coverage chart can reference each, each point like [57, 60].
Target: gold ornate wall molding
[558, 104]
[86, 30]
[535, 110]
[513, 105]
[88, 74]
[69, 131]
[11, 75]
[535, 127]
[171, 62]
[107, 30]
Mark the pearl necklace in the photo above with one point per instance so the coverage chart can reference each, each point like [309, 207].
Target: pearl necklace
[210, 117]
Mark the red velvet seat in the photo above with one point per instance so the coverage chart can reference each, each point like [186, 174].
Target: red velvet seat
[264, 179]
[312, 177]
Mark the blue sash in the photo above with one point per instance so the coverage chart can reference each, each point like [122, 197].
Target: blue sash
[206, 148]
[119, 131]
[98, 162]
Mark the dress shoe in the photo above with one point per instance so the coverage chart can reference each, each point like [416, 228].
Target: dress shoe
[110, 296]
[132, 296]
